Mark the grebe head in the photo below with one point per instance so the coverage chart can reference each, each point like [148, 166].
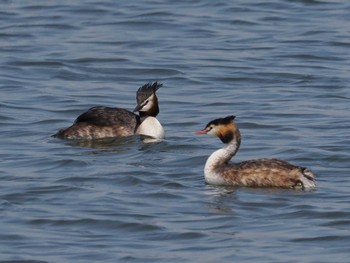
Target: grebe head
[224, 128]
[147, 101]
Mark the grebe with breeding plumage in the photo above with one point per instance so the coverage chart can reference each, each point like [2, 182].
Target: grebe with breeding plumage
[106, 122]
[252, 173]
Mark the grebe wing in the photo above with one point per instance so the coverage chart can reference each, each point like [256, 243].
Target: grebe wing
[106, 116]
[265, 162]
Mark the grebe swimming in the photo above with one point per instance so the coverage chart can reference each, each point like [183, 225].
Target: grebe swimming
[252, 173]
[105, 122]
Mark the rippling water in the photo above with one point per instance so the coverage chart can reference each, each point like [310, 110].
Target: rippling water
[281, 66]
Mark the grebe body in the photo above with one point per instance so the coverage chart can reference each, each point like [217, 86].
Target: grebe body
[106, 122]
[253, 173]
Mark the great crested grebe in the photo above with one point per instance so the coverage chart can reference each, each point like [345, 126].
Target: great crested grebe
[105, 122]
[252, 173]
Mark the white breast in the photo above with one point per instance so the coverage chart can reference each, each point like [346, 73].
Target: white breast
[217, 158]
[151, 127]
[210, 175]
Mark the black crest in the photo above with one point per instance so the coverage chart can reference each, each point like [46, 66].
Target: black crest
[222, 121]
[147, 90]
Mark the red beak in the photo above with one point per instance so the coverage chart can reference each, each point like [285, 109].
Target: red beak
[201, 132]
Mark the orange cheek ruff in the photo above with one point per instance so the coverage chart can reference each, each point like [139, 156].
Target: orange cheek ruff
[227, 132]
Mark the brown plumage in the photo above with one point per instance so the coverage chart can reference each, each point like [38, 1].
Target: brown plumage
[101, 122]
[252, 173]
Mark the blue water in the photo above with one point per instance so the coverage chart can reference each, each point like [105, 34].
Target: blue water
[282, 67]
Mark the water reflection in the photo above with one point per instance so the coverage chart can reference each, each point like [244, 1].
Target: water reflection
[121, 144]
[221, 199]
[116, 142]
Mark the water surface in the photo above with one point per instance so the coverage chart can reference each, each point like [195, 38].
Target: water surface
[281, 67]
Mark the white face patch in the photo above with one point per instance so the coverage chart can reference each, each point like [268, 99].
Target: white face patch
[147, 104]
[212, 130]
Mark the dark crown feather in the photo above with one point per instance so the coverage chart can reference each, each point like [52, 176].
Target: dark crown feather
[222, 121]
[147, 90]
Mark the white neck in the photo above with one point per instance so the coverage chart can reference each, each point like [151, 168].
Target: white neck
[217, 159]
[151, 127]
